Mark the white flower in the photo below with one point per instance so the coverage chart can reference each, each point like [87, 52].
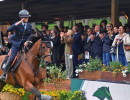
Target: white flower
[124, 72]
[47, 67]
[88, 63]
[124, 75]
[76, 74]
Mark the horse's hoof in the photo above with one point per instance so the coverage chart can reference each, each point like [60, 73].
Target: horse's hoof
[46, 97]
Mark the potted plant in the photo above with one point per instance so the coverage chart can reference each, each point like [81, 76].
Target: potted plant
[55, 76]
[11, 93]
[95, 70]
[91, 70]
[65, 95]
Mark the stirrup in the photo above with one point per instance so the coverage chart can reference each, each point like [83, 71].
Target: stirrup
[3, 78]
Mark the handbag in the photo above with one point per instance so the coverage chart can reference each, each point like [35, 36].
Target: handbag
[113, 50]
[127, 47]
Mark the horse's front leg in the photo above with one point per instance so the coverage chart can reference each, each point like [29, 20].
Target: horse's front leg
[28, 86]
[33, 90]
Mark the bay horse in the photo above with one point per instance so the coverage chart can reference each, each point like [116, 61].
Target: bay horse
[28, 74]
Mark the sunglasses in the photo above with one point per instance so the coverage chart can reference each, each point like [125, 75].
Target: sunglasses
[108, 26]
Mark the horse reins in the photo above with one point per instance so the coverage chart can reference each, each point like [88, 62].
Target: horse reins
[41, 58]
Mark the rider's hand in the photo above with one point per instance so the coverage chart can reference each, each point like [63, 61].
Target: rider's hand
[19, 22]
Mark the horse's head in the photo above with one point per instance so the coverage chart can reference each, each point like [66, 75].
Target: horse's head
[43, 45]
[45, 49]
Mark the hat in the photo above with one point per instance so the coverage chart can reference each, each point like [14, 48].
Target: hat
[102, 30]
[24, 13]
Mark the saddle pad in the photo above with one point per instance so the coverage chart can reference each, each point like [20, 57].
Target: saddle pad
[15, 63]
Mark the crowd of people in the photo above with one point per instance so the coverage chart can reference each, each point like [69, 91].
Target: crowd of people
[104, 41]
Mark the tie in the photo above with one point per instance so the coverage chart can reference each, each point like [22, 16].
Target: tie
[24, 26]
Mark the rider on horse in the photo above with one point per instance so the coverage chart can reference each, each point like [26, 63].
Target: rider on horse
[23, 30]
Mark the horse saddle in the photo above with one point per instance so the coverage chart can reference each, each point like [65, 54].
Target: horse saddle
[15, 63]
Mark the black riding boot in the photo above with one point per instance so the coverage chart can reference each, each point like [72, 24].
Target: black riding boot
[7, 66]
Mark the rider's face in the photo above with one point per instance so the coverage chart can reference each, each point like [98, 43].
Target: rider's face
[25, 20]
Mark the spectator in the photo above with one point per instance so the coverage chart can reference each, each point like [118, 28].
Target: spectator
[47, 36]
[44, 28]
[76, 47]
[8, 44]
[61, 46]
[107, 43]
[97, 44]
[81, 28]
[115, 32]
[120, 49]
[1, 38]
[68, 40]
[66, 29]
[55, 49]
[4, 50]
[93, 28]
[86, 28]
[127, 28]
[113, 49]
[126, 41]
[103, 24]
[61, 28]
[87, 44]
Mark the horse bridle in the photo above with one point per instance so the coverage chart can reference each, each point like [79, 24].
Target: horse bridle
[42, 48]
[41, 53]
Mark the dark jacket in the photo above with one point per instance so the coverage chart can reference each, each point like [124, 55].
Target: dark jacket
[87, 45]
[21, 35]
[97, 46]
[56, 42]
[77, 43]
[107, 43]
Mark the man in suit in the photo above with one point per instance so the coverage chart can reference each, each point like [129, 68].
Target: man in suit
[55, 50]
[22, 31]
[87, 42]
[97, 43]
[76, 47]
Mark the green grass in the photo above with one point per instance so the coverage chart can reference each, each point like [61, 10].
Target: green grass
[25, 97]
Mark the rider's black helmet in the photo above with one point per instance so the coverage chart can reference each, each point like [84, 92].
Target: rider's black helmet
[24, 13]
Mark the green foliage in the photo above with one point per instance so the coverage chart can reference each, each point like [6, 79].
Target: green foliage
[65, 95]
[128, 68]
[12, 89]
[42, 64]
[55, 75]
[25, 96]
[93, 65]
[115, 65]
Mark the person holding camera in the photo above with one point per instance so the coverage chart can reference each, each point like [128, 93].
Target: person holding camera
[118, 41]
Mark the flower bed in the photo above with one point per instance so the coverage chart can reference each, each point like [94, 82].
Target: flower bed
[65, 95]
[13, 90]
[109, 76]
[95, 70]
